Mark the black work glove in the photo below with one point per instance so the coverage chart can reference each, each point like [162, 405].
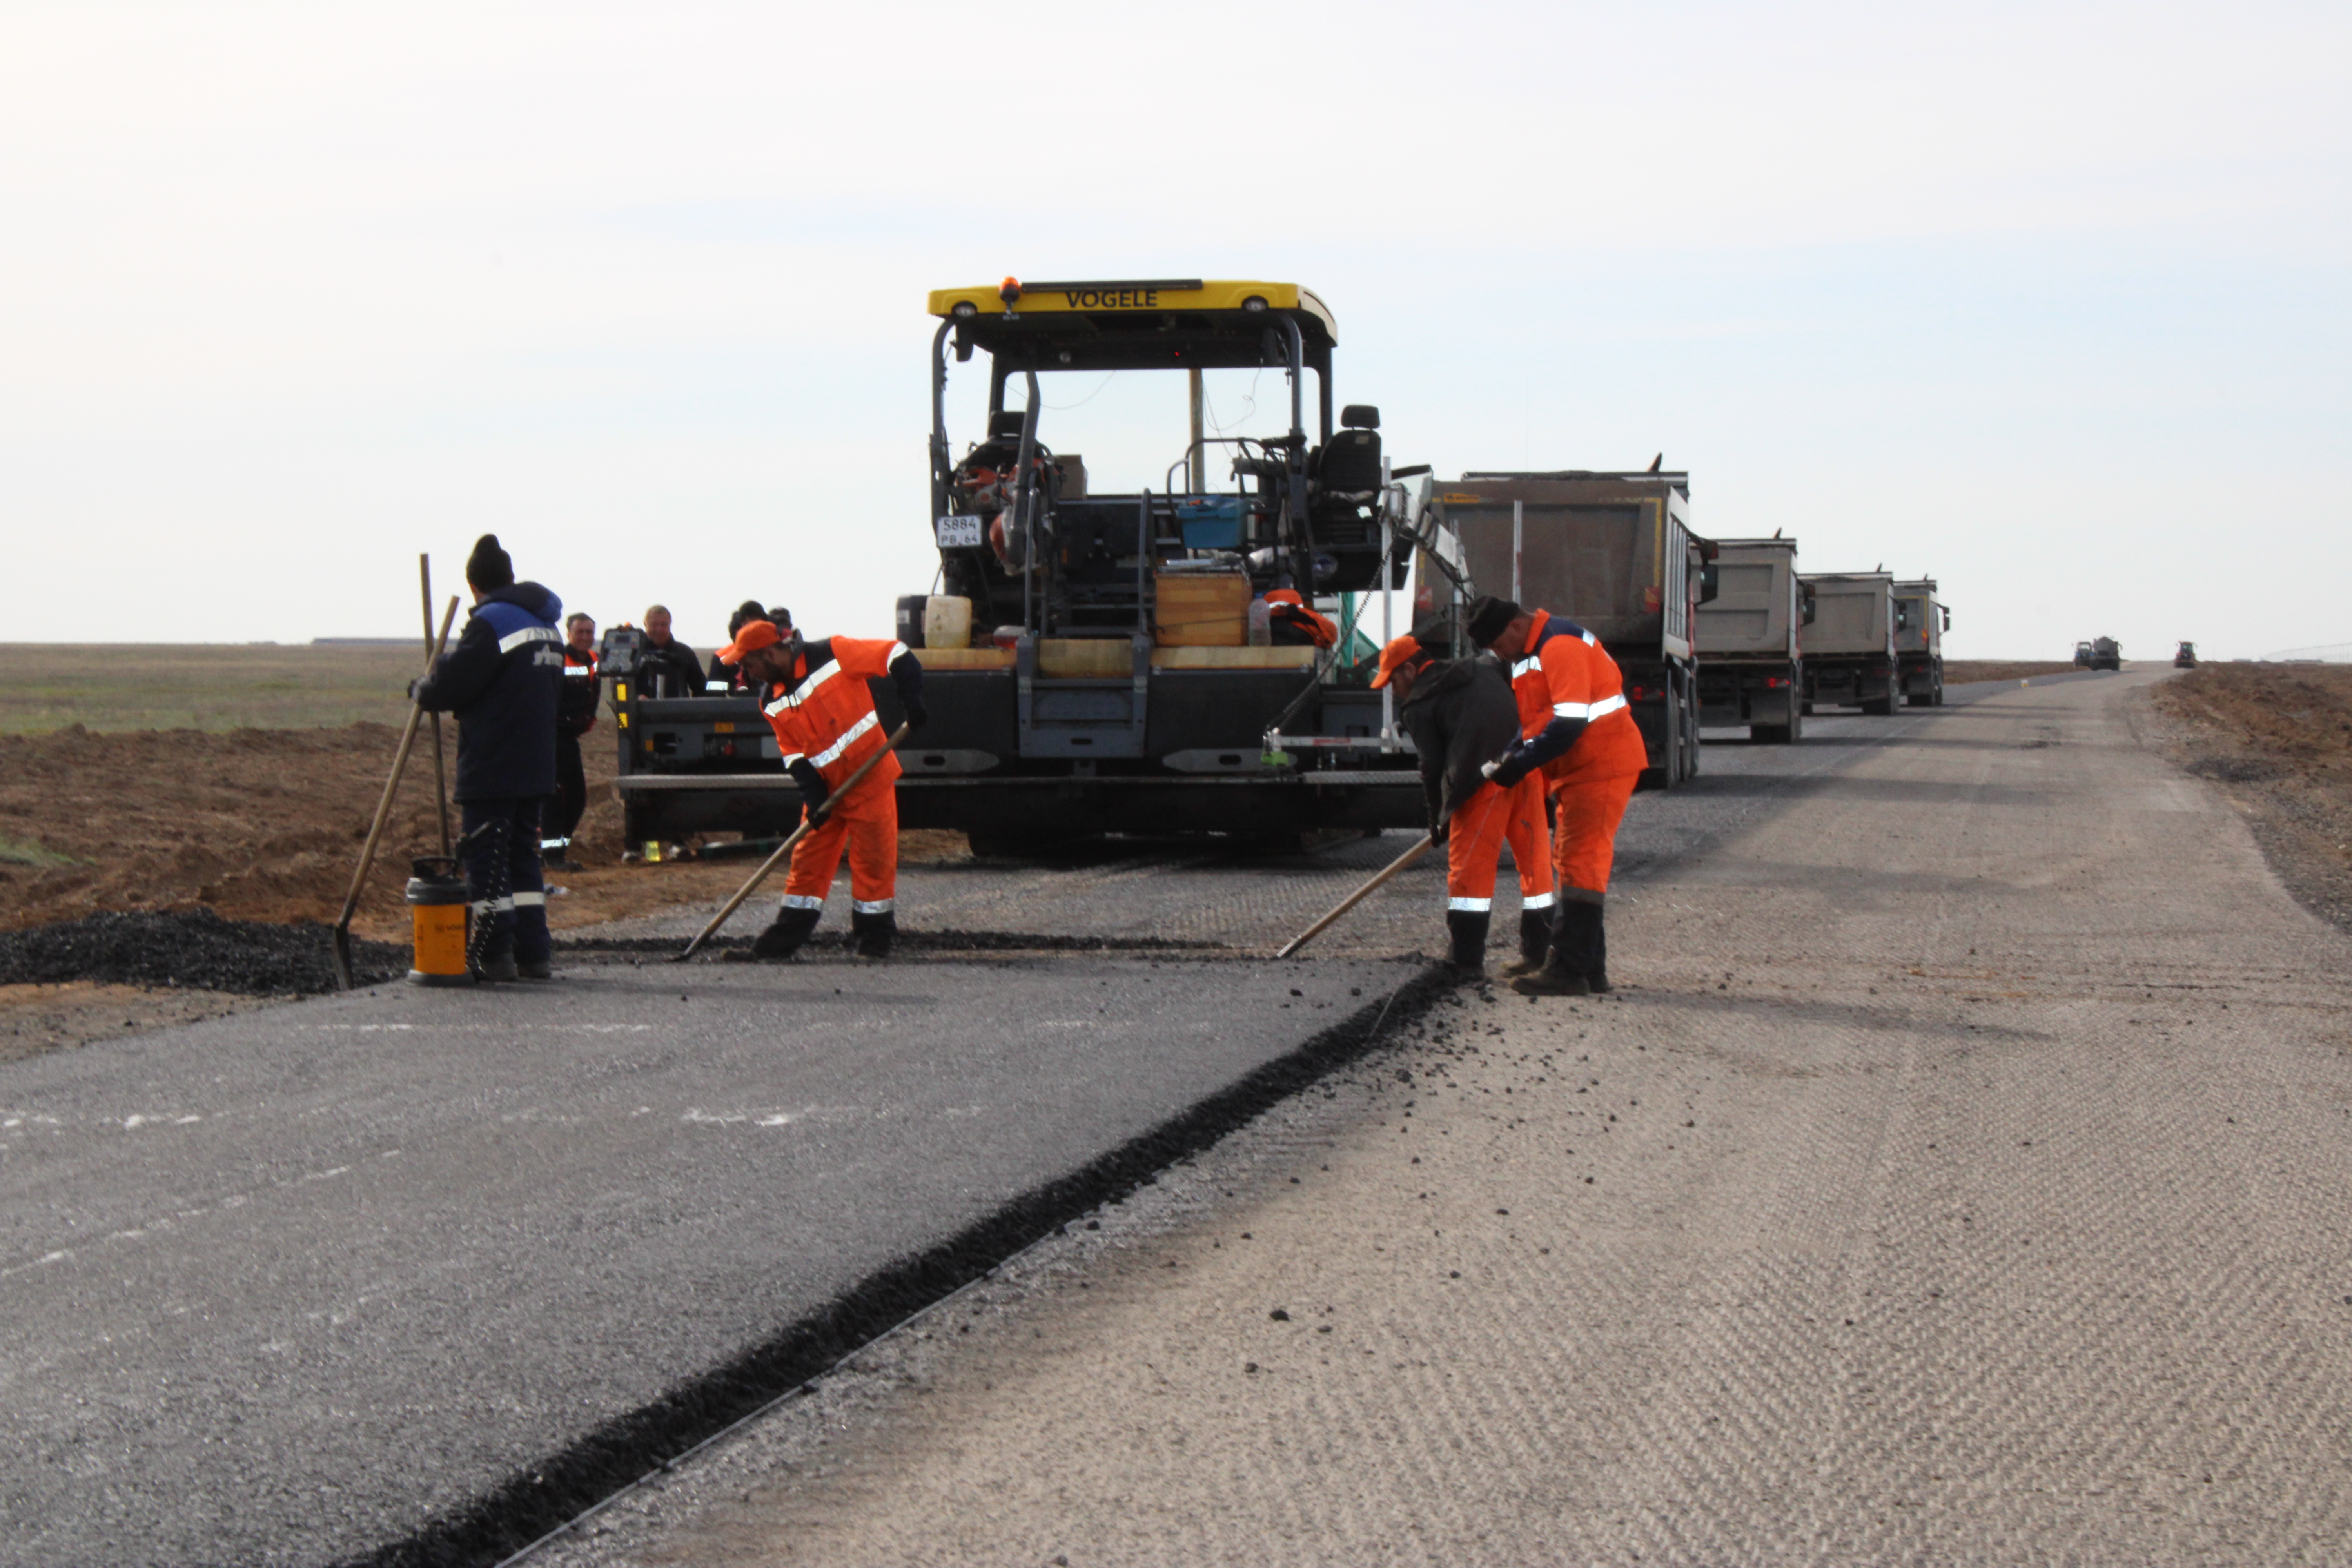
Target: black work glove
[917, 716]
[1437, 826]
[413, 685]
[814, 790]
[1511, 769]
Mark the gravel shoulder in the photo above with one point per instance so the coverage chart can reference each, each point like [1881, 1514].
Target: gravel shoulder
[1956, 1177]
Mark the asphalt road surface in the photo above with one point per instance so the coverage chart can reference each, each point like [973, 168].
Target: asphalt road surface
[1959, 1175]
[295, 1286]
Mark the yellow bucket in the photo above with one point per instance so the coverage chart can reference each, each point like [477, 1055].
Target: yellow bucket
[437, 908]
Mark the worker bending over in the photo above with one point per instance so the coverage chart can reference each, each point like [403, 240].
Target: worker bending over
[1463, 718]
[816, 700]
[503, 680]
[1579, 735]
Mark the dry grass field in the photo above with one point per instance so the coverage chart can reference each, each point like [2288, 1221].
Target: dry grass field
[47, 686]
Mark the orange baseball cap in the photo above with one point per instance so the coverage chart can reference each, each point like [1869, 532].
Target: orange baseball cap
[1399, 651]
[754, 634]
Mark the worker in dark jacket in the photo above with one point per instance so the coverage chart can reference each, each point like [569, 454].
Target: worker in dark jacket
[575, 715]
[1462, 717]
[503, 680]
[666, 666]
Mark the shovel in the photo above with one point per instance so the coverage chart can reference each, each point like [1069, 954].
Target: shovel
[343, 934]
[785, 849]
[1358, 896]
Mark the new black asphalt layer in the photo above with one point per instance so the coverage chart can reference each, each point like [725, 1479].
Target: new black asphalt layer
[288, 1286]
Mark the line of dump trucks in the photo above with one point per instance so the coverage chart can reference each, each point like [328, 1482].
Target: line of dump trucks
[1104, 661]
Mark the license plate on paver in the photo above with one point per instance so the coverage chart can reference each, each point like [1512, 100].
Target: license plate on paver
[957, 532]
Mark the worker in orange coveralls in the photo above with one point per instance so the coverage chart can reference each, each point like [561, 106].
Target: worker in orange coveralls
[1297, 623]
[1463, 718]
[1579, 735]
[815, 697]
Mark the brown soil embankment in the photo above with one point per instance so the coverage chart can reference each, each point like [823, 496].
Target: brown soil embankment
[2278, 740]
[266, 825]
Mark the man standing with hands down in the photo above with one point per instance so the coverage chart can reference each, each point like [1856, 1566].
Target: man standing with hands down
[503, 680]
[815, 698]
[1580, 736]
[1463, 718]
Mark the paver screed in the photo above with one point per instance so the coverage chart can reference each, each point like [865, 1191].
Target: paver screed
[1958, 1176]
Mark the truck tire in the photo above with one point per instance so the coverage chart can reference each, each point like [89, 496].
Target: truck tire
[1769, 734]
[1878, 707]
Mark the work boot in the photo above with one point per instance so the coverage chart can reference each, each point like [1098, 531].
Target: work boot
[495, 966]
[1567, 967]
[873, 933]
[1535, 941]
[535, 969]
[783, 938]
[1468, 929]
[1598, 975]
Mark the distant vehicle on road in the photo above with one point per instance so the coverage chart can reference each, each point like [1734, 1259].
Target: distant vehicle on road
[2083, 655]
[2186, 658]
[1920, 622]
[1850, 642]
[2106, 654]
[1752, 667]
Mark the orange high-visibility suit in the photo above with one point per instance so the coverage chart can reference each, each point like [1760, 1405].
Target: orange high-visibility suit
[1475, 836]
[1564, 673]
[826, 717]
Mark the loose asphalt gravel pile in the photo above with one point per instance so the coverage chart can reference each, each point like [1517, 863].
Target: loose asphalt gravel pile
[199, 948]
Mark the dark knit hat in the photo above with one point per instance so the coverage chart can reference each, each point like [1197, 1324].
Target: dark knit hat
[749, 610]
[1488, 616]
[489, 567]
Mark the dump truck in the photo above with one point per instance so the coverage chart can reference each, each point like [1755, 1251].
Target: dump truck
[1921, 620]
[2106, 654]
[1612, 552]
[1121, 672]
[1751, 666]
[1850, 646]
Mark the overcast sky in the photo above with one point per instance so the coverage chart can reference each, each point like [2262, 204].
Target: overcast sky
[2049, 300]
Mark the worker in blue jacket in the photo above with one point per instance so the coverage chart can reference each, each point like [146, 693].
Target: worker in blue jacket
[503, 680]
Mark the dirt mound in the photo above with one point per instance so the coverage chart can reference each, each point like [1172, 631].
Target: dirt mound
[197, 948]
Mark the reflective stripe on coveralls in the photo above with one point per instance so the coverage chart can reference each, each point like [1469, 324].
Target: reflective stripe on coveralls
[1475, 836]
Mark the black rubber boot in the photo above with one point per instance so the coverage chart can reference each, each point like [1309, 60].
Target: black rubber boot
[497, 966]
[1535, 941]
[1598, 975]
[535, 969]
[783, 938]
[1468, 929]
[874, 934]
[1569, 965]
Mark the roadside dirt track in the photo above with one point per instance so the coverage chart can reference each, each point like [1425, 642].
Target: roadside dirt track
[1958, 1177]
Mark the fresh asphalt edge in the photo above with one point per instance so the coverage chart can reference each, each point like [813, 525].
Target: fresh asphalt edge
[543, 1499]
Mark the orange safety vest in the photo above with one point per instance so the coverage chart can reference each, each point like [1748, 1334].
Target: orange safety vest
[1285, 604]
[827, 714]
[1564, 673]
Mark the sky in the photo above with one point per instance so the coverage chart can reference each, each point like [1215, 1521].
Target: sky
[2051, 301]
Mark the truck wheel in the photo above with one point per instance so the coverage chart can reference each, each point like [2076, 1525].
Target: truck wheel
[1878, 707]
[1769, 734]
